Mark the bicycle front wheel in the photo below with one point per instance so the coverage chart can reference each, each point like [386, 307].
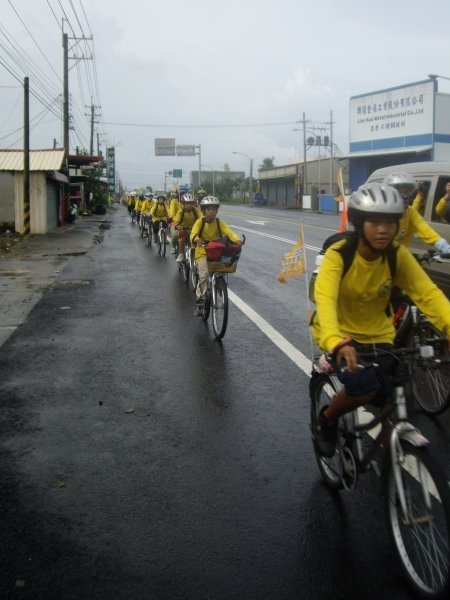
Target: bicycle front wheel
[163, 242]
[219, 307]
[322, 388]
[185, 271]
[421, 530]
[431, 384]
[194, 276]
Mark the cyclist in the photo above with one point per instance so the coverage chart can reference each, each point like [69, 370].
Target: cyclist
[351, 313]
[444, 203]
[412, 222]
[160, 215]
[201, 193]
[207, 229]
[131, 200]
[174, 206]
[183, 222]
[146, 209]
[137, 207]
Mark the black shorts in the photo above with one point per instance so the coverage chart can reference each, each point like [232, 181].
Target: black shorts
[375, 381]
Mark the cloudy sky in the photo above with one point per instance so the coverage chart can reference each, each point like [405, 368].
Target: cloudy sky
[232, 76]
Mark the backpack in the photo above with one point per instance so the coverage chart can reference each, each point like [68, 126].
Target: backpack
[199, 234]
[347, 251]
[220, 250]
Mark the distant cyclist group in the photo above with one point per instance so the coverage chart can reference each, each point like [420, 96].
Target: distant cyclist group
[191, 221]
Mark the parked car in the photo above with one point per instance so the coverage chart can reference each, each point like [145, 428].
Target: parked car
[259, 200]
[433, 177]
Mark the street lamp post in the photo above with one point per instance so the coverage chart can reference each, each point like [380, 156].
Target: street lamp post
[250, 183]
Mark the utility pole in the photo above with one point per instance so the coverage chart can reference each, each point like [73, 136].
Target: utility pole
[66, 58]
[93, 115]
[331, 151]
[26, 158]
[304, 178]
[66, 94]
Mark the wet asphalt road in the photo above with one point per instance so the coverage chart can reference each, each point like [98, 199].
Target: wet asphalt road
[141, 459]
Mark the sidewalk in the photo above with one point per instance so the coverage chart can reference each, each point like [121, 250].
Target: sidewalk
[30, 266]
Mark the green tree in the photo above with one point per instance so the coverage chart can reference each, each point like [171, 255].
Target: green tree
[267, 163]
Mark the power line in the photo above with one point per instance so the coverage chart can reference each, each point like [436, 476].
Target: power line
[222, 126]
[56, 18]
[37, 45]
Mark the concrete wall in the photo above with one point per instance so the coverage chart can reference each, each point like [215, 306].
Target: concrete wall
[38, 202]
[6, 200]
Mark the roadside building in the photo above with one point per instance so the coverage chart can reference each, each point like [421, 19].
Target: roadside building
[404, 124]
[47, 180]
[309, 186]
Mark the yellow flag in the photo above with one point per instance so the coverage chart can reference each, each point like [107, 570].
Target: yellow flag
[340, 182]
[293, 262]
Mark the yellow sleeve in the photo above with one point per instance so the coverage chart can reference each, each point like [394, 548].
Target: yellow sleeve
[226, 230]
[196, 229]
[410, 277]
[412, 223]
[441, 206]
[328, 334]
[417, 202]
[177, 218]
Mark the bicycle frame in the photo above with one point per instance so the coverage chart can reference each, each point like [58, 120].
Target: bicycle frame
[395, 426]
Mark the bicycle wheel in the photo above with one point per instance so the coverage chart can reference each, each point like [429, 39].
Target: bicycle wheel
[322, 388]
[150, 235]
[422, 536]
[430, 385]
[219, 307]
[185, 271]
[163, 242]
[194, 276]
[206, 307]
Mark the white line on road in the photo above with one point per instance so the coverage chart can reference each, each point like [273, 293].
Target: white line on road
[291, 351]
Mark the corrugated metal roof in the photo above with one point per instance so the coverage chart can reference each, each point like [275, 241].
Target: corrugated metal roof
[40, 160]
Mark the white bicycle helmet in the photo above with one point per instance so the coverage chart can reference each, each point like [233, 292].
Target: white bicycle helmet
[210, 201]
[375, 199]
[400, 180]
[188, 198]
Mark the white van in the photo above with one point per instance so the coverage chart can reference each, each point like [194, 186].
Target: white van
[433, 177]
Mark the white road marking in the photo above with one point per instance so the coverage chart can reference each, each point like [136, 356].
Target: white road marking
[297, 357]
[274, 336]
[257, 222]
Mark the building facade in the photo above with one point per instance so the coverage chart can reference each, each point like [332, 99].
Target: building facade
[404, 124]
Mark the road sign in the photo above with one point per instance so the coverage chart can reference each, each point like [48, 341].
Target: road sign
[185, 150]
[178, 173]
[164, 146]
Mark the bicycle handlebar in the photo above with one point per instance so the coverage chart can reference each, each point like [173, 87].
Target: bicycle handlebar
[422, 350]
[431, 256]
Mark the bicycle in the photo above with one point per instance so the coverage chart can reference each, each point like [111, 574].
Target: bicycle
[430, 383]
[149, 230]
[134, 217]
[184, 266]
[216, 300]
[161, 239]
[417, 496]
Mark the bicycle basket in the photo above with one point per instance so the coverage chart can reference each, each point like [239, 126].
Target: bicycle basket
[216, 266]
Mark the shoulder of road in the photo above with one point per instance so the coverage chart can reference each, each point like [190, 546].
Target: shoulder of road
[29, 266]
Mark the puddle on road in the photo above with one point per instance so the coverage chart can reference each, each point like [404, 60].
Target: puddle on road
[72, 283]
[13, 273]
